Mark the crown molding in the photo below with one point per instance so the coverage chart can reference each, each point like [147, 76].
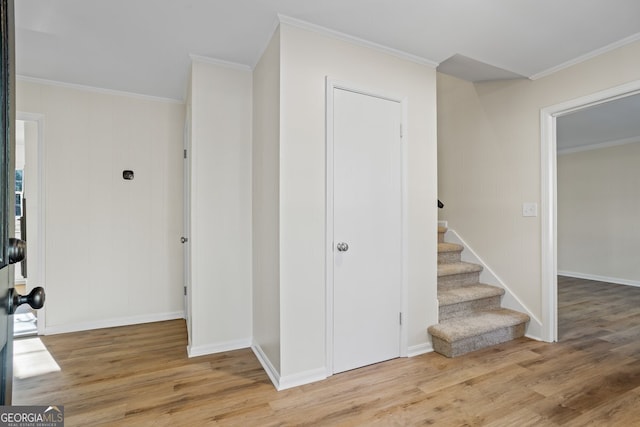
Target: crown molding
[599, 145]
[219, 62]
[284, 19]
[582, 58]
[94, 89]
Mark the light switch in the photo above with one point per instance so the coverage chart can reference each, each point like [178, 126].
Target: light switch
[529, 209]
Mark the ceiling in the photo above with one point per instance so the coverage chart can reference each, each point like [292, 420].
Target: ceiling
[611, 123]
[143, 46]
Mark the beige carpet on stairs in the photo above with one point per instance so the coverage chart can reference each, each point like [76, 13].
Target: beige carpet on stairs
[470, 314]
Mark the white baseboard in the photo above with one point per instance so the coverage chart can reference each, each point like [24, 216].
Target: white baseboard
[219, 347]
[417, 350]
[444, 224]
[614, 280]
[112, 323]
[302, 378]
[287, 381]
[509, 300]
[268, 367]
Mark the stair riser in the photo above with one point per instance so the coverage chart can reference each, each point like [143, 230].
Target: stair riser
[456, 280]
[468, 308]
[467, 345]
[449, 257]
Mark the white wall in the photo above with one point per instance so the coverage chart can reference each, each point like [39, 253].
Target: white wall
[307, 57]
[220, 237]
[598, 205]
[266, 200]
[489, 160]
[111, 245]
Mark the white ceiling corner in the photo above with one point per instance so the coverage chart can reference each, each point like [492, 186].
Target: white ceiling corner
[220, 62]
[355, 40]
[592, 54]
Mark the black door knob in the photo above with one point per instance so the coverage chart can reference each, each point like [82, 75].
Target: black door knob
[16, 250]
[35, 299]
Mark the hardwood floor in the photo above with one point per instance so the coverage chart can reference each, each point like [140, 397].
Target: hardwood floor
[141, 376]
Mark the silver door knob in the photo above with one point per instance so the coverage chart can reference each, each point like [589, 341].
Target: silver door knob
[342, 247]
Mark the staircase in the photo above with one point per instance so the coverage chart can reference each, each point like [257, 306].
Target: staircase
[470, 314]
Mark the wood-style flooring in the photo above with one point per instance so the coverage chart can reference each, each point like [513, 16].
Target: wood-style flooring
[141, 376]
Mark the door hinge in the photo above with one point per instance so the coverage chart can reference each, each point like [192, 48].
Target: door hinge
[185, 291]
[400, 130]
[185, 153]
[401, 318]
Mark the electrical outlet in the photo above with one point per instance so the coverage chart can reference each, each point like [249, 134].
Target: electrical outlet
[529, 209]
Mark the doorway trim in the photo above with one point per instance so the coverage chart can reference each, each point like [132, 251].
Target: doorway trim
[186, 222]
[549, 186]
[40, 218]
[330, 86]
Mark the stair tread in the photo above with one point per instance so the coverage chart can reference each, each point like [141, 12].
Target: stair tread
[468, 293]
[442, 229]
[456, 329]
[449, 247]
[457, 268]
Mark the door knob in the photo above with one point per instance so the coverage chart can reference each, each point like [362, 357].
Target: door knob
[342, 247]
[16, 250]
[35, 299]
[184, 240]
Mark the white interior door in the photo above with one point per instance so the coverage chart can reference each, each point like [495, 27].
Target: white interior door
[367, 229]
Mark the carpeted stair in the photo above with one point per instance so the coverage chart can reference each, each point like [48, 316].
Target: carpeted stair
[470, 315]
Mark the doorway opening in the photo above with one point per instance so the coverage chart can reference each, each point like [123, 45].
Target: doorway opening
[29, 220]
[24, 319]
[597, 179]
[549, 199]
